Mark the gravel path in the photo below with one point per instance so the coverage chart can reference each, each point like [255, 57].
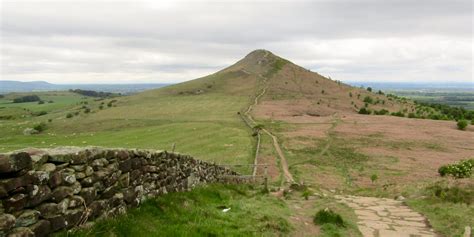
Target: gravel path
[386, 217]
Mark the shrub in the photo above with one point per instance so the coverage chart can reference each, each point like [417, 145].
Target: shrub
[69, 115]
[411, 115]
[87, 110]
[50, 101]
[472, 122]
[381, 112]
[462, 124]
[40, 127]
[350, 94]
[101, 107]
[462, 169]
[40, 102]
[374, 178]
[327, 216]
[322, 91]
[27, 98]
[50, 120]
[452, 194]
[380, 92]
[306, 193]
[368, 99]
[398, 114]
[369, 89]
[2, 96]
[364, 111]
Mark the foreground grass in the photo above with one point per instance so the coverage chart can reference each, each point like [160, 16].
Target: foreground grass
[199, 213]
[347, 214]
[448, 211]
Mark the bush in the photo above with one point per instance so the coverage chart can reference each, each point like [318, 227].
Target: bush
[369, 89]
[374, 178]
[452, 194]
[364, 111]
[87, 110]
[368, 99]
[462, 169]
[69, 115]
[411, 115]
[40, 102]
[40, 127]
[398, 114]
[327, 216]
[462, 124]
[381, 112]
[27, 98]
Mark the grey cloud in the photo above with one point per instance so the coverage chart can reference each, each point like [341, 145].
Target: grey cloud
[197, 37]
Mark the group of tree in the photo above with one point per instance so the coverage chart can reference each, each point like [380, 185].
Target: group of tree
[26, 98]
[451, 112]
[92, 93]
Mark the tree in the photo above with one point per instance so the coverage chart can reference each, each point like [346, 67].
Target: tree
[462, 124]
[369, 89]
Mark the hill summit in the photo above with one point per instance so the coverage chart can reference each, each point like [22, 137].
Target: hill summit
[290, 89]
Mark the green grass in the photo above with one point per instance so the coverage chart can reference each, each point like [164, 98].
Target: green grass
[205, 126]
[450, 211]
[199, 213]
[347, 214]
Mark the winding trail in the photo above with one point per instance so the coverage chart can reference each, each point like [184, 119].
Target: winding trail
[284, 164]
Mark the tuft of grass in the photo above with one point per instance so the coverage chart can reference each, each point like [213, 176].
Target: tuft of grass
[328, 216]
[199, 213]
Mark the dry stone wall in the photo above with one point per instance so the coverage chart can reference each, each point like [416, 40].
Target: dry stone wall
[47, 190]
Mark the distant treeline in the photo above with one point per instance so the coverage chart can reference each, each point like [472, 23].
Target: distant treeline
[451, 112]
[26, 98]
[91, 93]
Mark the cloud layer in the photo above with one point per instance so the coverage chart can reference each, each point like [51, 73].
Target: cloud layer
[100, 41]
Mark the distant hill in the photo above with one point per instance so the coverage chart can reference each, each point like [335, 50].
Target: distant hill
[18, 86]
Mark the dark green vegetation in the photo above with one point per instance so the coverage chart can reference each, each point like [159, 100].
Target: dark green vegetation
[447, 205]
[200, 213]
[26, 98]
[459, 170]
[92, 93]
[462, 124]
[328, 216]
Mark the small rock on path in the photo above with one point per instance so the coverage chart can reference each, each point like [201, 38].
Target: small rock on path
[386, 217]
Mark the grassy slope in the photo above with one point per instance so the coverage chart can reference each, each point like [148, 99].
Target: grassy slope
[205, 125]
[199, 213]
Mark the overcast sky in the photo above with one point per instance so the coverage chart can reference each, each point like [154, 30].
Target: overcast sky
[109, 41]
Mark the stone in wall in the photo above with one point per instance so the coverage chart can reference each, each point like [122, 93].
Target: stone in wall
[47, 190]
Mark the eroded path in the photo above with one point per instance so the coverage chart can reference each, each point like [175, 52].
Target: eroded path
[386, 217]
[284, 164]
